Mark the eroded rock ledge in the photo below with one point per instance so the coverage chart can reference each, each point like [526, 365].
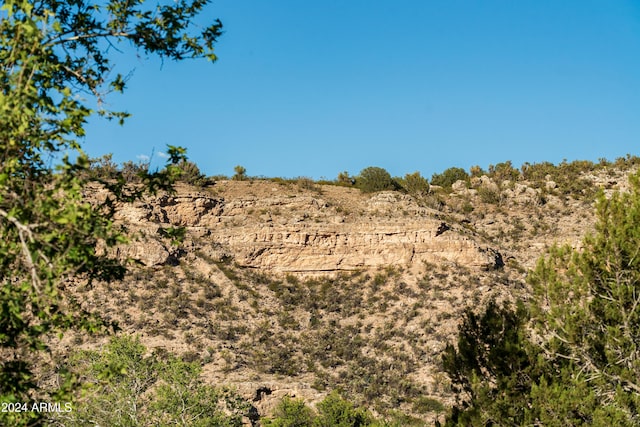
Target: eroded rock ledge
[301, 233]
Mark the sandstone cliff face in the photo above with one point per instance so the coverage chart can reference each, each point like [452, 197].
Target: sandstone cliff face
[302, 233]
[309, 248]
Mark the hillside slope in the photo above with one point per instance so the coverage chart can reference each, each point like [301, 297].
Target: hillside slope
[280, 288]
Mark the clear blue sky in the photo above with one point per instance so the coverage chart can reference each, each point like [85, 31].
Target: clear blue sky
[313, 88]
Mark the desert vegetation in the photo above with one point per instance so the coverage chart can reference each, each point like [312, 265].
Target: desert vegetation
[578, 180]
[50, 53]
[560, 332]
[568, 355]
[368, 334]
[122, 302]
[125, 385]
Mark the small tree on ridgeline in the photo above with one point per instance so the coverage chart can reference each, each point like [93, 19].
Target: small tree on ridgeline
[240, 173]
[447, 178]
[345, 179]
[414, 184]
[190, 173]
[374, 179]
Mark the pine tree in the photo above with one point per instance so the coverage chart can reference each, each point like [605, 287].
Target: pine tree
[573, 360]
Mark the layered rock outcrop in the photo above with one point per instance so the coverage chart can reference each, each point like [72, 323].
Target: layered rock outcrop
[328, 247]
[304, 233]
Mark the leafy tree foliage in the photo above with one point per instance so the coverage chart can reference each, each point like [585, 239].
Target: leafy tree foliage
[504, 171]
[54, 73]
[127, 387]
[291, 413]
[333, 411]
[374, 179]
[447, 178]
[577, 361]
[414, 184]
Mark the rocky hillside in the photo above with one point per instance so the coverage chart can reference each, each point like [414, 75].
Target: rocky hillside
[296, 288]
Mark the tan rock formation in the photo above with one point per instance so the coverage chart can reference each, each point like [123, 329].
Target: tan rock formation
[304, 234]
